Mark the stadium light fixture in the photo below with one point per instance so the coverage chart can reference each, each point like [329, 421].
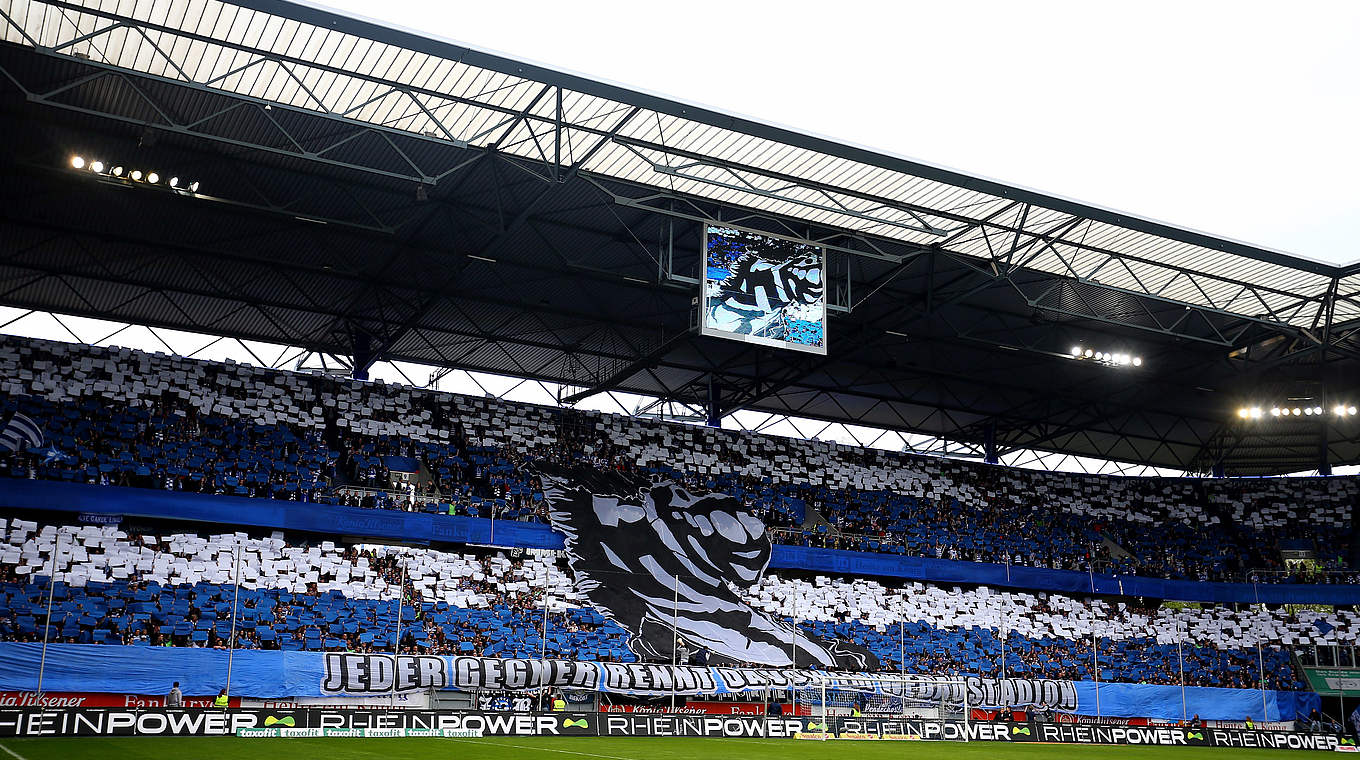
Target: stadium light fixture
[135, 175]
[1109, 358]
[1316, 410]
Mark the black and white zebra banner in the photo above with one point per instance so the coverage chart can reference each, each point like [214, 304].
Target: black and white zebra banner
[670, 564]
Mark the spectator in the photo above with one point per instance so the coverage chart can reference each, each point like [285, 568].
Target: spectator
[175, 698]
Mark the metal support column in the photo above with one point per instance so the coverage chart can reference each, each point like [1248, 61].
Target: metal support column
[714, 406]
[363, 355]
[989, 444]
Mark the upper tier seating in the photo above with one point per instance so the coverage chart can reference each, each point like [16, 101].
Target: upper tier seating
[124, 417]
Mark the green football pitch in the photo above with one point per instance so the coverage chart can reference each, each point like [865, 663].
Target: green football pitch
[605, 748]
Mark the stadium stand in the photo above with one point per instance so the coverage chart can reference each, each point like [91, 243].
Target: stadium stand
[121, 417]
[175, 589]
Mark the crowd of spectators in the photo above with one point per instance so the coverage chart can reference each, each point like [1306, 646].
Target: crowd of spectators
[119, 417]
[143, 589]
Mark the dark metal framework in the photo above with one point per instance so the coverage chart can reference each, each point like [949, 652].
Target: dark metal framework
[379, 195]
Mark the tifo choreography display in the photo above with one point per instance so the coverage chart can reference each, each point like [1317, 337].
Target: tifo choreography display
[128, 418]
[667, 562]
[417, 392]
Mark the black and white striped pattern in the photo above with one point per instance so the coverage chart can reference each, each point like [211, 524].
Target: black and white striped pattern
[20, 433]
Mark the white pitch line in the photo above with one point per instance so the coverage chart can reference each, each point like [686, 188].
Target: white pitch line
[507, 744]
[12, 753]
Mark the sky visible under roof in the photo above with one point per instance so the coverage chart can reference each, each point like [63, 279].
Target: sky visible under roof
[1237, 119]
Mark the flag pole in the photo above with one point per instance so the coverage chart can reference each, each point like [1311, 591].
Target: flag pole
[1095, 663]
[1261, 662]
[675, 639]
[236, 597]
[396, 644]
[1180, 663]
[543, 642]
[47, 627]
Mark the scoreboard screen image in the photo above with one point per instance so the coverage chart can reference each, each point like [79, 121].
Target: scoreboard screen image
[763, 289]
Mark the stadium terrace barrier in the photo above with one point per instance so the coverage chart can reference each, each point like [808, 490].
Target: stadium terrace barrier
[275, 674]
[368, 723]
[92, 500]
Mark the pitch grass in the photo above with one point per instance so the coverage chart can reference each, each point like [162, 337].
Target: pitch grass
[575, 748]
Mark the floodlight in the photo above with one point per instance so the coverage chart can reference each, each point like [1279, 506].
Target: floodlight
[1076, 351]
[117, 171]
[174, 182]
[153, 178]
[1137, 361]
[1296, 411]
[97, 167]
[77, 162]
[193, 187]
[136, 175]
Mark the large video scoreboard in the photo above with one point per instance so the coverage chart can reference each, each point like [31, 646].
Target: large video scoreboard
[765, 289]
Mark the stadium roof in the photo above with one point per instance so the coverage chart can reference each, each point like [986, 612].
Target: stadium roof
[381, 194]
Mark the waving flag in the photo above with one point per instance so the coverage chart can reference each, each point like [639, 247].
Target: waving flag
[20, 433]
[54, 455]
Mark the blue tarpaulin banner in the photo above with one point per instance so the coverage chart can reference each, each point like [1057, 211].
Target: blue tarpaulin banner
[1067, 581]
[424, 527]
[327, 519]
[400, 464]
[279, 674]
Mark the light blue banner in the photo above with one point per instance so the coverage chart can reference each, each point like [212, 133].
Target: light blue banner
[279, 675]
